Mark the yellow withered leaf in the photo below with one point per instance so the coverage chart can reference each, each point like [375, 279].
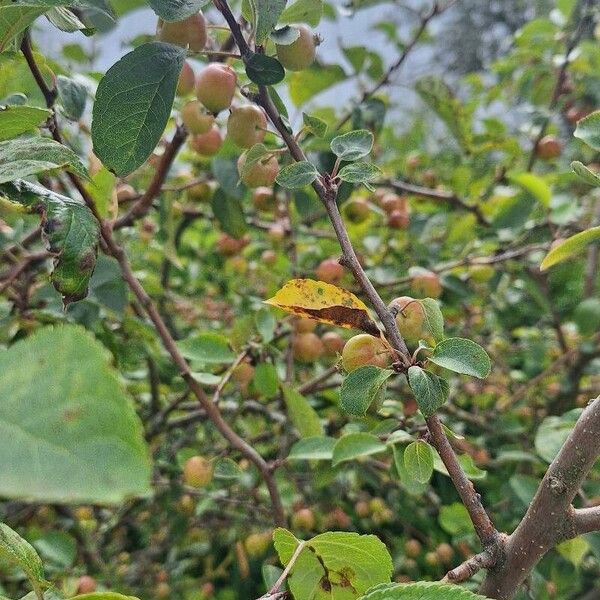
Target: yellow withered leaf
[324, 302]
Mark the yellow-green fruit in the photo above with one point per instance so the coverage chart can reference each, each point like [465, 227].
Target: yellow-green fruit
[195, 118]
[190, 33]
[333, 343]
[411, 320]
[197, 472]
[481, 273]
[261, 174]
[215, 86]
[426, 284]
[263, 198]
[307, 347]
[357, 210]
[304, 519]
[246, 126]
[257, 544]
[200, 192]
[300, 54]
[364, 349]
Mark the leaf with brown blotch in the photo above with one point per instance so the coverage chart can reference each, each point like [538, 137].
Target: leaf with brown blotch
[326, 303]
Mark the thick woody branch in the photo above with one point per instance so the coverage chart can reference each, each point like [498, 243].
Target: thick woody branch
[483, 560]
[586, 520]
[550, 518]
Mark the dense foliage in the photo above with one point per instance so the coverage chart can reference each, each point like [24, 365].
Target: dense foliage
[257, 343]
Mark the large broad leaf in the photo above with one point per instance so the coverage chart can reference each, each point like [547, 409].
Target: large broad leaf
[18, 552]
[15, 120]
[429, 590]
[462, 356]
[324, 302]
[303, 11]
[553, 433]
[297, 175]
[22, 157]
[302, 414]
[430, 391]
[588, 130]
[361, 388]
[71, 231]
[418, 461]
[133, 104]
[264, 69]
[356, 445]
[334, 564]
[313, 448]
[176, 10]
[207, 348]
[352, 145]
[570, 247]
[305, 85]
[229, 213]
[584, 173]
[434, 320]
[67, 434]
[267, 15]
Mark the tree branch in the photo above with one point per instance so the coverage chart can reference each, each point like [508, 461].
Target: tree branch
[483, 560]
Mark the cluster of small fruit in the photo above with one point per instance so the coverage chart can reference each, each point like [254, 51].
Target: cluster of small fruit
[215, 87]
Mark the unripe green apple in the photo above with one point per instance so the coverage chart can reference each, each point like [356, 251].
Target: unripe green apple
[411, 320]
[195, 118]
[263, 198]
[548, 147]
[330, 271]
[186, 81]
[197, 472]
[215, 86]
[426, 284]
[187, 504]
[207, 144]
[304, 520]
[246, 125]
[364, 349]
[257, 544]
[200, 192]
[261, 174]
[333, 343]
[481, 273]
[357, 210]
[300, 54]
[190, 33]
[307, 347]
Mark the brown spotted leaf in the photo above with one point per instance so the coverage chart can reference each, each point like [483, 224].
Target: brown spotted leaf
[324, 302]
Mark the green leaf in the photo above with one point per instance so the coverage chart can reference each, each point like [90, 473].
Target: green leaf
[472, 471]
[68, 436]
[462, 356]
[285, 36]
[253, 156]
[533, 185]
[20, 553]
[302, 414]
[103, 596]
[297, 175]
[418, 461]
[72, 95]
[570, 247]
[225, 468]
[264, 70]
[422, 590]
[267, 15]
[207, 348]
[316, 126]
[553, 433]
[313, 448]
[71, 231]
[352, 145]
[582, 172]
[133, 105]
[303, 11]
[587, 316]
[588, 130]
[346, 564]
[438, 96]
[101, 188]
[434, 320]
[176, 10]
[22, 157]
[430, 391]
[15, 120]
[305, 85]
[361, 388]
[265, 323]
[455, 519]
[574, 550]
[266, 380]
[359, 172]
[355, 445]
[57, 547]
[229, 213]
